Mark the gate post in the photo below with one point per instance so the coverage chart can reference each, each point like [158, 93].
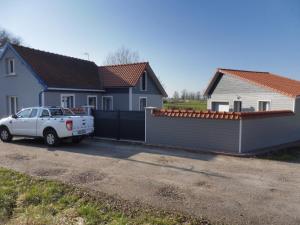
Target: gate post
[118, 125]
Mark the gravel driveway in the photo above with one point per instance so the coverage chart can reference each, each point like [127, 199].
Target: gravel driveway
[221, 188]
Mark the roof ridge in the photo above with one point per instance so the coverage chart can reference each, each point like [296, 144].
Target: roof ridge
[125, 64]
[51, 53]
[253, 71]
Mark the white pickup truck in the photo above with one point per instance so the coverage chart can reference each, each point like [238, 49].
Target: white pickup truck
[51, 123]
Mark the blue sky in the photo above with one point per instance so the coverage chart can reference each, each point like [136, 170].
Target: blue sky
[184, 41]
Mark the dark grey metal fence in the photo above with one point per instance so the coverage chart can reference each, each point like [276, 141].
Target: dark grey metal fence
[118, 125]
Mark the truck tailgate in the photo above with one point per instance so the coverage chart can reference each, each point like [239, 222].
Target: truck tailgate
[83, 125]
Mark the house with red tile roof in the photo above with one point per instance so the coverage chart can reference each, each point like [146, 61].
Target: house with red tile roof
[31, 77]
[249, 91]
[249, 112]
[131, 87]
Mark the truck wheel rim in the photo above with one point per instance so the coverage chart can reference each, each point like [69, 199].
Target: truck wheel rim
[4, 135]
[50, 139]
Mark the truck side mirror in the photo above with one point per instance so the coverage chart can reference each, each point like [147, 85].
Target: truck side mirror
[14, 116]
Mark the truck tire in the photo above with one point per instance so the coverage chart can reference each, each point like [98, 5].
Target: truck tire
[51, 139]
[77, 140]
[5, 135]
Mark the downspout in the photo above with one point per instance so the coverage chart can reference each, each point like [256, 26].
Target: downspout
[240, 135]
[130, 99]
[42, 98]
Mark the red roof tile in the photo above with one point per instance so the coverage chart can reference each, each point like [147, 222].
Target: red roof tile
[125, 75]
[219, 115]
[268, 80]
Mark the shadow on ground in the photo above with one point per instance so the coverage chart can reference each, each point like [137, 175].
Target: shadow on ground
[123, 151]
[291, 155]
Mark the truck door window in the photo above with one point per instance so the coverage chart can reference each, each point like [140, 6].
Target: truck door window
[24, 113]
[45, 113]
[33, 113]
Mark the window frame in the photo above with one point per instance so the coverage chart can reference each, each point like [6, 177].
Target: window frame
[67, 95]
[212, 104]
[269, 101]
[140, 98]
[145, 76]
[112, 102]
[241, 106]
[9, 73]
[92, 96]
[9, 104]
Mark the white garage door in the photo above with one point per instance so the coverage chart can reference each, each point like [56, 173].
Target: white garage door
[220, 106]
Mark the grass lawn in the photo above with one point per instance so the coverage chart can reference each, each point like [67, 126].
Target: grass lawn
[191, 104]
[31, 201]
[285, 155]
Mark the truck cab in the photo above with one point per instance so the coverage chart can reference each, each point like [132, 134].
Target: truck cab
[51, 123]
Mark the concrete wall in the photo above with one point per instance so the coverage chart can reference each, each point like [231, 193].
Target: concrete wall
[23, 85]
[52, 98]
[268, 132]
[224, 135]
[231, 88]
[198, 134]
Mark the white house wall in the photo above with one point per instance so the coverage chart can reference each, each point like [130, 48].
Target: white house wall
[231, 88]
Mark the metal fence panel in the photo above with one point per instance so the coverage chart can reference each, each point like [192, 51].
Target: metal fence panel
[120, 124]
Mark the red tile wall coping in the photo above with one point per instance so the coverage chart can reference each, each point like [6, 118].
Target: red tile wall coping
[220, 115]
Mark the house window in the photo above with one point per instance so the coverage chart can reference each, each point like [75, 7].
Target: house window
[12, 105]
[11, 67]
[107, 103]
[144, 81]
[237, 106]
[92, 101]
[143, 103]
[264, 105]
[220, 106]
[67, 100]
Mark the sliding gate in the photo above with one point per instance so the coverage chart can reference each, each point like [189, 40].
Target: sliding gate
[129, 125]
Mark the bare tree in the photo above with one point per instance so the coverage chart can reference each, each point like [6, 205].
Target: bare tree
[6, 37]
[122, 56]
[176, 95]
[184, 94]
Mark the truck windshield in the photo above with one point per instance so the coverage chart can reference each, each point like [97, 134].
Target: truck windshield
[61, 112]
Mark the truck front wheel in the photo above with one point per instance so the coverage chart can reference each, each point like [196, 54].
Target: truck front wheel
[51, 138]
[5, 135]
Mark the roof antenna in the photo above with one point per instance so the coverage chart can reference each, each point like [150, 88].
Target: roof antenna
[88, 55]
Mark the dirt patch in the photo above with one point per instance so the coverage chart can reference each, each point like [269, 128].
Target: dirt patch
[169, 192]
[87, 177]
[19, 157]
[42, 172]
[202, 184]
[165, 160]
